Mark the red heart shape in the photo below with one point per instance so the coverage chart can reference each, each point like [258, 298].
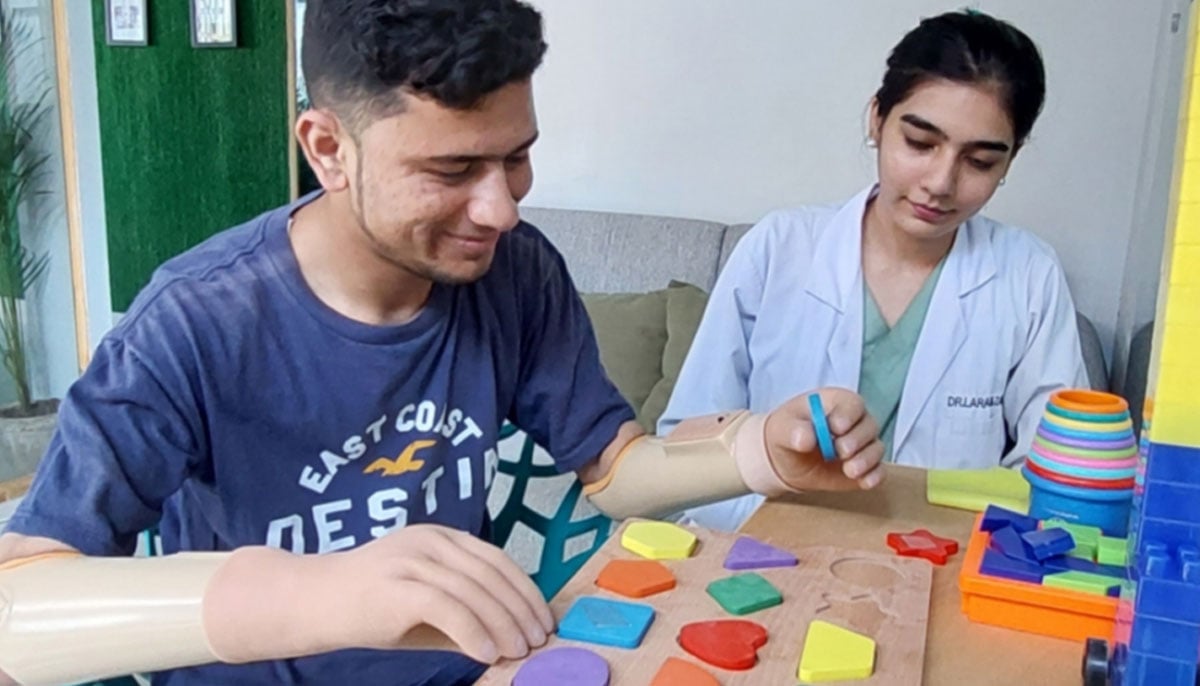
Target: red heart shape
[725, 643]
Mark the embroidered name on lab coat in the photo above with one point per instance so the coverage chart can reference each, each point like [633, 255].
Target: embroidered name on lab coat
[975, 402]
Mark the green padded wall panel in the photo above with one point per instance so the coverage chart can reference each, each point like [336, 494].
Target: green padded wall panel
[193, 140]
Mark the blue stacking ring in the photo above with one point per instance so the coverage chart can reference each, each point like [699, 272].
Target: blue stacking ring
[1085, 416]
[1082, 472]
[1122, 435]
[821, 426]
[1058, 438]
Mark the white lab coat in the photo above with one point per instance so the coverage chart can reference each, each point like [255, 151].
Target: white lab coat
[786, 316]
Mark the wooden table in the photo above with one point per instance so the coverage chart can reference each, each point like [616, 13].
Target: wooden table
[957, 651]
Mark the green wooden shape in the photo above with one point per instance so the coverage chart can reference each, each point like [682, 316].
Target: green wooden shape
[1081, 581]
[742, 594]
[1112, 551]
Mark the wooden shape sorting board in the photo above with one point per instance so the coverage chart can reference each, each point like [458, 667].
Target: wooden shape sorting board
[881, 596]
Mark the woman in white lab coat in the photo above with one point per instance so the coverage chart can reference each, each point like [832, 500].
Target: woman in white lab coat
[953, 327]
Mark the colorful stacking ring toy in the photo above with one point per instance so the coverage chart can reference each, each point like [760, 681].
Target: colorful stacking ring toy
[1082, 465]
[1083, 472]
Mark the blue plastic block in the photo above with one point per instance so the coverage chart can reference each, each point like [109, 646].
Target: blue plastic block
[1067, 563]
[1165, 638]
[1048, 542]
[1167, 599]
[1189, 562]
[606, 622]
[996, 563]
[1146, 670]
[995, 517]
[1155, 560]
[1173, 463]
[1169, 532]
[1171, 500]
[1008, 541]
[1114, 591]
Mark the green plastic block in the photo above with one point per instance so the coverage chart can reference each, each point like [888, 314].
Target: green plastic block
[744, 593]
[1081, 581]
[1112, 551]
[1087, 538]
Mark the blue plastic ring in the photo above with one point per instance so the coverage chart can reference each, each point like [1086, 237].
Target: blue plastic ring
[1084, 416]
[821, 426]
[1123, 435]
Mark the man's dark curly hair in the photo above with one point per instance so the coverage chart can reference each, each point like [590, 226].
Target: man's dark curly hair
[361, 56]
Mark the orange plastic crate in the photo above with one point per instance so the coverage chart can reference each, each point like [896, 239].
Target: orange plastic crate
[1058, 612]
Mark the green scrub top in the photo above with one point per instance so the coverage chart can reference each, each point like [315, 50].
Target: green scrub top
[887, 353]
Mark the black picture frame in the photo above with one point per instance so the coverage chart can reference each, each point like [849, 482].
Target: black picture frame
[214, 23]
[120, 29]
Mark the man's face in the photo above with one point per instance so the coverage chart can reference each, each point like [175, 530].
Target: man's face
[433, 188]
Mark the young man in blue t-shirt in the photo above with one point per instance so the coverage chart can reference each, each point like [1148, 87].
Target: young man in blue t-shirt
[332, 376]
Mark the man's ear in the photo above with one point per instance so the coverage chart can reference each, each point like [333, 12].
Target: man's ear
[326, 145]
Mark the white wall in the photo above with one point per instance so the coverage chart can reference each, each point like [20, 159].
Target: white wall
[724, 110]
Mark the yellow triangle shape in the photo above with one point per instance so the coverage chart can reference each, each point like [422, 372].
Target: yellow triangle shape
[832, 653]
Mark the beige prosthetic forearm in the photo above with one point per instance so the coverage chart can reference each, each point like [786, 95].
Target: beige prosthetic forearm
[702, 460]
[70, 618]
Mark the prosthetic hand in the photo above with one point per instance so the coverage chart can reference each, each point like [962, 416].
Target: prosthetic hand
[69, 618]
[725, 455]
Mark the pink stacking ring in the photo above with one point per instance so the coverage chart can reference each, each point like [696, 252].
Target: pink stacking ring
[1053, 456]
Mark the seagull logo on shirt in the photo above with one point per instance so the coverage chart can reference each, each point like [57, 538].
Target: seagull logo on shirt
[404, 463]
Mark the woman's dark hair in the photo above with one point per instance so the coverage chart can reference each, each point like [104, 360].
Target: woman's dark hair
[972, 48]
[358, 56]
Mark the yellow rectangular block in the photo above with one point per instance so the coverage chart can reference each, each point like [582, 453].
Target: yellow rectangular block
[1189, 184]
[1175, 423]
[1185, 264]
[1191, 148]
[1180, 343]
[1187, 221]
[1177, 385]
[1183, 305]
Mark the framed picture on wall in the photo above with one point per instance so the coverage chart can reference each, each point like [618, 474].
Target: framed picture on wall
[125, 22]
[214, 23]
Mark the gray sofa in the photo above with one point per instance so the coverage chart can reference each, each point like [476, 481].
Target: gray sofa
[608, 252]
[611, 253]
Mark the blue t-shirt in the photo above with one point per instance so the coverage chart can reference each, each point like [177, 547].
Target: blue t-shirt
[236, 405]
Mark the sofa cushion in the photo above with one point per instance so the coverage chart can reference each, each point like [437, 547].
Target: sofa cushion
[631, 332]
[685, 308]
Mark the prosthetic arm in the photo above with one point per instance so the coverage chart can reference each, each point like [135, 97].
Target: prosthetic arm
[704, 459]
[66, 618]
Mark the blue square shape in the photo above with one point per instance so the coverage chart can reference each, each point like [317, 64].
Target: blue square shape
[606, 622]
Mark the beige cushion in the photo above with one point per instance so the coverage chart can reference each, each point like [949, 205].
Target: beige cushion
[685, 308]
[631, 331]
[643, 340]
